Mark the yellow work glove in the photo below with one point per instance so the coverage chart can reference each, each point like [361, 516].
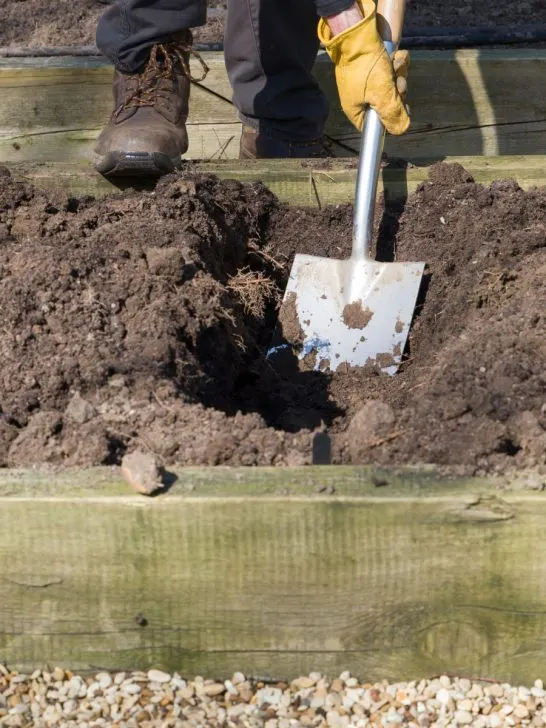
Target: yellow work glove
[365, 74]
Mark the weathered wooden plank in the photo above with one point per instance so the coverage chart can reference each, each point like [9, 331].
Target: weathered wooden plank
[206, 141]
[297, 183]
[232, 574]
[479, 102]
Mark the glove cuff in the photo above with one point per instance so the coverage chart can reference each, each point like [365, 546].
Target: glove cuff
[353, 42]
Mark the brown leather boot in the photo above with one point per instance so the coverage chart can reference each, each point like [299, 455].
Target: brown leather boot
[257, 145]
[147, 135]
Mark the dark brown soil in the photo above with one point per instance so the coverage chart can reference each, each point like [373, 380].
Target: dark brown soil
[72, 22]
[141, 321]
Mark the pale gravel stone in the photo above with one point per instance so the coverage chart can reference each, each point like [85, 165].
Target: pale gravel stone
[301, 683]
[130, 689]
[394, 718]
[58, 674]
[177, 682]
[104, 680]
[269, 695]
[462, 717]
[69, 706]
[214, 689]
[158, 676]
[318, 701]
[465, 704]
[521, 711]
[476, 691]
[230, 687]
[19, 679]
[495, 690]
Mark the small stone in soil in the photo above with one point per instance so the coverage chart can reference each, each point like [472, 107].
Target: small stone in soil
[142, 471]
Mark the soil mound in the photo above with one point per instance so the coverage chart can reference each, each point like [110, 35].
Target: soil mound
[142, 320]
[60, 22]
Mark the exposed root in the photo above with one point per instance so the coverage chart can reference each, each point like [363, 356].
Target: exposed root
[264, 255]
[254, 290]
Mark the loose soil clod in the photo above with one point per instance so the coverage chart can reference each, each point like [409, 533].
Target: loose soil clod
[142, 471]
[141, 321]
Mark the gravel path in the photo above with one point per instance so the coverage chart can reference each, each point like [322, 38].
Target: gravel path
[155, 698]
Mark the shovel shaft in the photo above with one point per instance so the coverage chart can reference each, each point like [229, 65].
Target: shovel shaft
[371, 147]
[389, 21]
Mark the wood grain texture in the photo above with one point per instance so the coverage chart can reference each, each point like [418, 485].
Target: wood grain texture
[246, 572]
[295, 183]
[465, 102]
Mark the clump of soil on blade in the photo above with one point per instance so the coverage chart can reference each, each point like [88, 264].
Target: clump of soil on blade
[142, 321]
[355, 316]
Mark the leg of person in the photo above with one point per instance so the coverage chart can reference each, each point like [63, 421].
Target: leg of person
[149, 43]
[270, 49]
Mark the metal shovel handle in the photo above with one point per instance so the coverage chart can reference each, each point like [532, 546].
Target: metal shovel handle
[390, 19]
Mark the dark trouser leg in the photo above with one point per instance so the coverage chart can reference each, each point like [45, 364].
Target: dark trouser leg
[129, 28]
[270, 49]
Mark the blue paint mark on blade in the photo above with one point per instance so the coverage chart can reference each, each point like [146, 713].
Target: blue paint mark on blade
[319, 346]
[276, 349]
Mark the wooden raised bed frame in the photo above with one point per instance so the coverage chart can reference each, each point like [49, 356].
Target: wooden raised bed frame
[391, 574]
[275, 572]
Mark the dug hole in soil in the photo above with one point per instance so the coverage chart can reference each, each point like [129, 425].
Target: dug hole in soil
[141, 321]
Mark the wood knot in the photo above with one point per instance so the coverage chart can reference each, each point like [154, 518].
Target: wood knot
[486, 508]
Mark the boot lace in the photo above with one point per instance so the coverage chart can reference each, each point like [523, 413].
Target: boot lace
[164, 57]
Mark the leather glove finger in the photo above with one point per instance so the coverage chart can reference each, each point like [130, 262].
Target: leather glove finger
[400, 64]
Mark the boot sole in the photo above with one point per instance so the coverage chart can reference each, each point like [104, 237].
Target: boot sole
[136, 164]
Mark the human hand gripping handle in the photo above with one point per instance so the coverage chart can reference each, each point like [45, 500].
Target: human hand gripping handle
[365, 73]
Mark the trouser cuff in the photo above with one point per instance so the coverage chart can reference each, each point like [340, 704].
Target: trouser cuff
[129, 28]
[290, 131]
